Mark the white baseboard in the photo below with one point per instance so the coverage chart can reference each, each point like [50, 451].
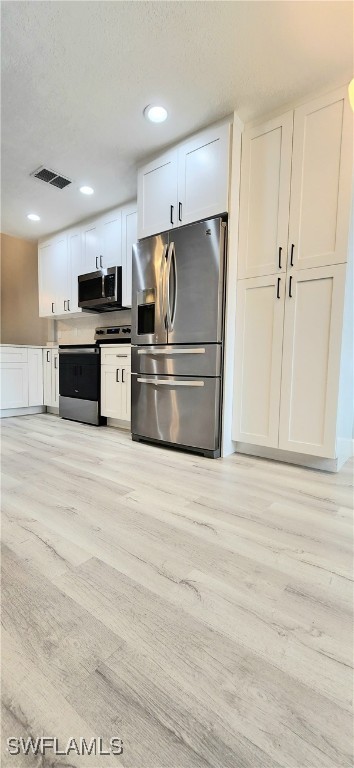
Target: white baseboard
[7, 412]
[289, 457]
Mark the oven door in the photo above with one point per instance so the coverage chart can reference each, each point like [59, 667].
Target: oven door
[79, 374]
[100, 289]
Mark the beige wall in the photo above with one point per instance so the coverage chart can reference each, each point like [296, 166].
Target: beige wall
[20, 323]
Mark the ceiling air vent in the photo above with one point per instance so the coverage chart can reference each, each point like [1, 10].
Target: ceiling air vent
[51, 177]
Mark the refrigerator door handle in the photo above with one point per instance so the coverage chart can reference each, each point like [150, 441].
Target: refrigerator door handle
[172, 383]
[171, 313]
[163, 309]
[153, 352]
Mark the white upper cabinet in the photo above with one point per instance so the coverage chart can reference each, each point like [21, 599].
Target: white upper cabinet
[100, 244]
[157, 195]
[52, 276]
[203, 175]
[188, 183]
[311, 359]
[321, 180]
[92, 246]
[129, 237]
[75, 259]
[264, 199]
[259, 333]
[111, 225]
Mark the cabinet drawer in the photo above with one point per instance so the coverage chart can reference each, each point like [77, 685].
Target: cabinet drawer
[13, 355]
[116, 355]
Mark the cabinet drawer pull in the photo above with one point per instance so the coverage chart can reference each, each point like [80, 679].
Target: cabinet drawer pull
[278, 288]
[68, 305]
[64, 305]
[290, 282]
[292, 255]
[117, 376]
[279, 256]
[121, 355]
[55, 362]
[96, 262]
[171, 213]
[52, 306]
[180, 211]
[123, 379]
[48, 359]
[101, 261]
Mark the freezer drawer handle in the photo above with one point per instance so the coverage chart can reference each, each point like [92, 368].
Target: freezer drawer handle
[199, 351]
[172, 383]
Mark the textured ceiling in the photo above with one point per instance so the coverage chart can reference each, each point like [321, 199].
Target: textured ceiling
[77, 75]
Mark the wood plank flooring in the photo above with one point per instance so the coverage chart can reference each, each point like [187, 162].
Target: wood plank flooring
[199, 610]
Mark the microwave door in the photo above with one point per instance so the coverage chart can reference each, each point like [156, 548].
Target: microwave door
[194, 281]
[149, 314]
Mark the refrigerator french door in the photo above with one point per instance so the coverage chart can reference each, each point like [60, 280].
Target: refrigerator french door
[177, 335]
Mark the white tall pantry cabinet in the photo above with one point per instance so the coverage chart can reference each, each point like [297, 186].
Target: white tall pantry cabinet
[292, 273]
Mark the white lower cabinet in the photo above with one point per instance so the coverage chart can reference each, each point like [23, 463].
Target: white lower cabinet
[311, 360]
[115, 382]
[35, 376]
[51, 377]
[288, 353]
[21, 371]
[259, 332]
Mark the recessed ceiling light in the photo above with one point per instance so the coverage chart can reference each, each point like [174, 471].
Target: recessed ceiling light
[155, 114]
[33, 217]
[86, 190]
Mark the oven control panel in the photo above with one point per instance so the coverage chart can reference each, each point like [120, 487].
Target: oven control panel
[117, 333]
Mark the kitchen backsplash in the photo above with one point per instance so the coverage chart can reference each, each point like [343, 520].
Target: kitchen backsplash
[81, 330]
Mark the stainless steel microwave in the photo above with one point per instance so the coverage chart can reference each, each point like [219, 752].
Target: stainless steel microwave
[101, 291]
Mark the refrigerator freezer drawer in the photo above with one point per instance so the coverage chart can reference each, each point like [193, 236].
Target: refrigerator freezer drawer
[178, 360]
[181, 411]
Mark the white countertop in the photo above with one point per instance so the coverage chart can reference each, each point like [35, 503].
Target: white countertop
[28, 346]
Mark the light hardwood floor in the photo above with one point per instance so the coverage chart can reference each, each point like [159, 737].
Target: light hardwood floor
[200, 610]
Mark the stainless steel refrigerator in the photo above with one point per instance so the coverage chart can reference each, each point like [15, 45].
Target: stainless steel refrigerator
[177, 336]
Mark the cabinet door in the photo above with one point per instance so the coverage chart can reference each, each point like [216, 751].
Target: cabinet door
[75, 268]
[92, 247]
[311, 359]
[264, 197]
[61, 274]
[112, 240]
[55, 379]
[321, 180]
[203, 175]
[47, 377]
[111, 391]
[129, 238]
[157, 195]
[14, 385]
[35, 376]
[259, 332]
[47, 289]
[115, 391]
[125, 393]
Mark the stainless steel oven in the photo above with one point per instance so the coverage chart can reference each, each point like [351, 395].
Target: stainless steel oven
[101, 291]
